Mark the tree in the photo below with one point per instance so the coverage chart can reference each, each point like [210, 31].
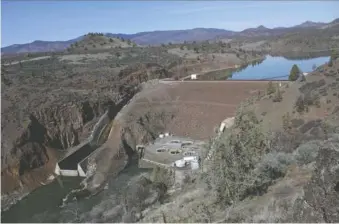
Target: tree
[117, 54]
[294, 73]
[314, 67]
[181, 47]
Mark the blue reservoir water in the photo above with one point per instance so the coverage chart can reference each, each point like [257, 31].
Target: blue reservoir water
[277, 68]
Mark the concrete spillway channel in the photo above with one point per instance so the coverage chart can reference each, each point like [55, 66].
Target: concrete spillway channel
[71, 164]
[76, 161]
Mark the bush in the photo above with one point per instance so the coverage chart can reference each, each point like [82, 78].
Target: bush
[277, 96]
[300, 104]
[274, 165]
[270, 88]
[307, 152]
[162, 176]
[297, 122]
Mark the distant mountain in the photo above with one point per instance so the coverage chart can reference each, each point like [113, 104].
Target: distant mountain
[173, 36]
[308, 24]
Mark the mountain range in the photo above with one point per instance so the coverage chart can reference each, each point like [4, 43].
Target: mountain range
[164, 37]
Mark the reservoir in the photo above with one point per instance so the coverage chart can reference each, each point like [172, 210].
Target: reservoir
[271, 68]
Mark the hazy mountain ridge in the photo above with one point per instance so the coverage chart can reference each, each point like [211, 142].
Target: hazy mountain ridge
[167, 36]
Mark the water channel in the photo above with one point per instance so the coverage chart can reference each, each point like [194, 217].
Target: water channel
[43, 204]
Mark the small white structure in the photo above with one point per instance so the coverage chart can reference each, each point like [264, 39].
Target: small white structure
[179, 163]
[161, 136]
[227, 123]
[193, 76]
[305, 73]
[166, 134]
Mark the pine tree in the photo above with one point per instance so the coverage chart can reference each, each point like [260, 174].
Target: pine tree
[294, 74]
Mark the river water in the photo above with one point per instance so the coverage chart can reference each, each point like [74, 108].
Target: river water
[43, 204]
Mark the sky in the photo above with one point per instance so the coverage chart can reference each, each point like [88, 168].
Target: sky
[27, 21]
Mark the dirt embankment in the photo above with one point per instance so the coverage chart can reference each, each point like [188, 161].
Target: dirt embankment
[129, 128]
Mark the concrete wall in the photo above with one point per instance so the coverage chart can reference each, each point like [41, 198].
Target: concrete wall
[81, 171]
[76, 161]
[73, 162]
[69, 173]
[98, 128]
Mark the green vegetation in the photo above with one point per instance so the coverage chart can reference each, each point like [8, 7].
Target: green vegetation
[238, 151]
[294, 73]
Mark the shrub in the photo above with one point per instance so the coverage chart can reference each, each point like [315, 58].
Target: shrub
[286, 121]
[270, 88]
[162, 176]
[277, 96]
[300, 104]
[274, 165]
[297, 122]
[307, 152]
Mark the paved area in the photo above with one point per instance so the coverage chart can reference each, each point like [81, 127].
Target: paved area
[167, 150]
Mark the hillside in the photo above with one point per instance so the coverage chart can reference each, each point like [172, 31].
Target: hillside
[50, 101]
[277, 163]
[173, 36]
[98, 41]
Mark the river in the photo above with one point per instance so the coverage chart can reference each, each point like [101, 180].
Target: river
[44, 204]
[272, 68]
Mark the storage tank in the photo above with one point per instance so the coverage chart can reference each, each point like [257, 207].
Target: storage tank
[194, 165]
[190, 158]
